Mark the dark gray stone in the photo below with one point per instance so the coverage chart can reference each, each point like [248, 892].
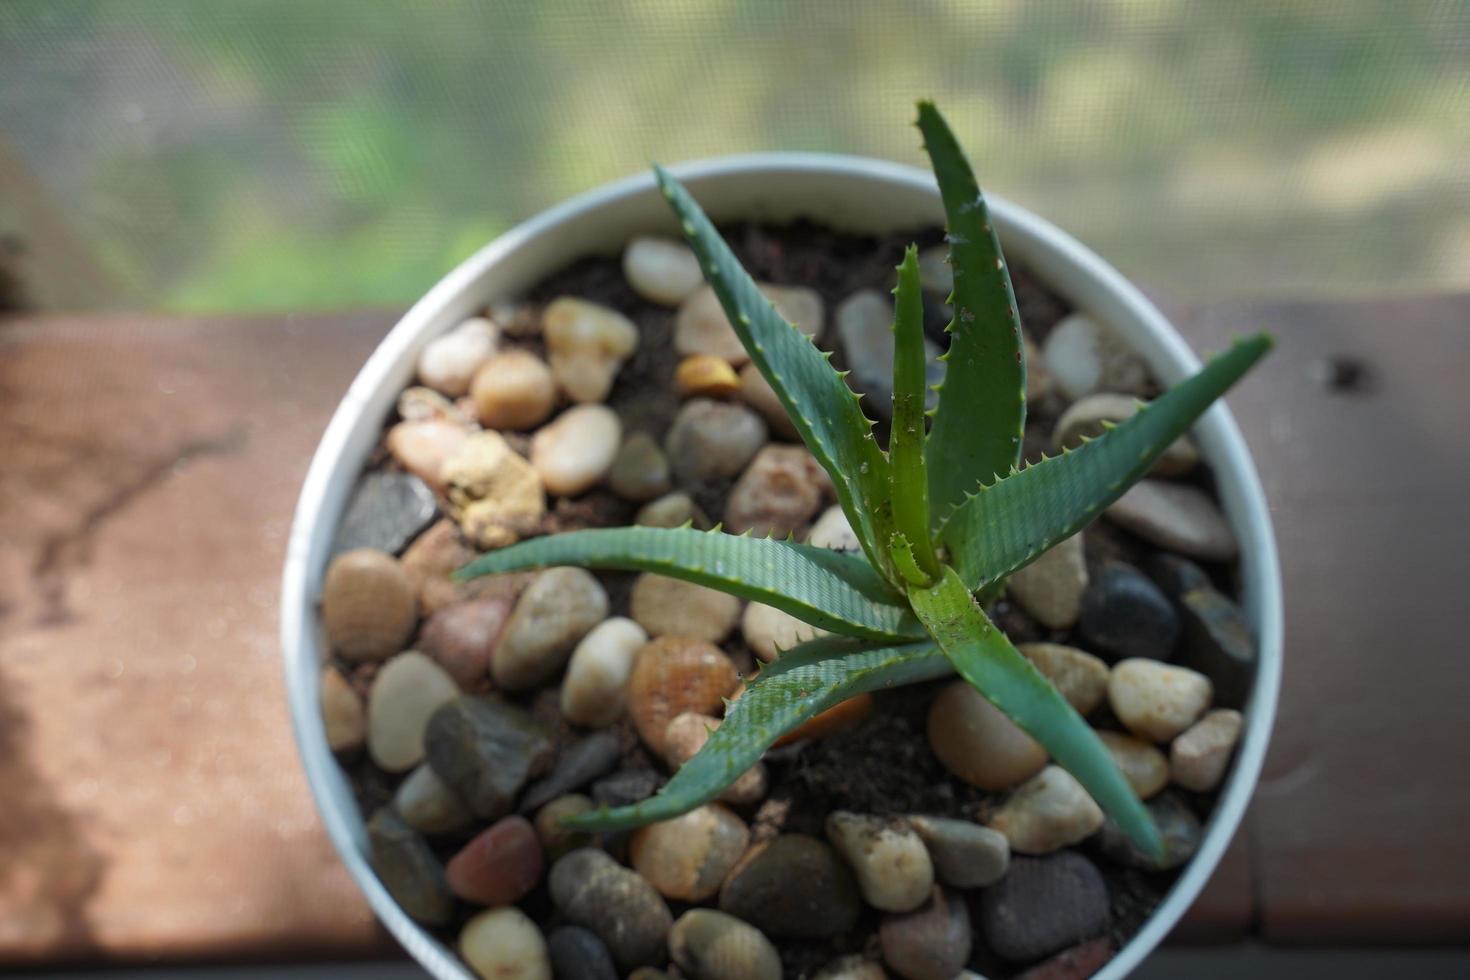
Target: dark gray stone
[409, 870]
[1043, 905]
[1217, 640]
[1178, 826]
[627, 787]
[386, 512]
[486, 749]
[578, 765]
[794, 886]
[865, 330]
[616, 904]
[577, 954]
[1126, 615]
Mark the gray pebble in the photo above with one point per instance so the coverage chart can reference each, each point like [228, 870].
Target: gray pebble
[579, 764]
[965, 854]
[1178, 826]
[386, 512]
[1043, 905]
[1126, 615]
[577, 954]
[624, 911]
[626, 787]
[930, 943]
[486, 749]
[409, 870]
[793, 886]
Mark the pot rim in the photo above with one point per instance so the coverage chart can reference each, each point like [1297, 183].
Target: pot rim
[1057, 258]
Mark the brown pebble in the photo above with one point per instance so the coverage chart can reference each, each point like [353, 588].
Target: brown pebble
[557, 840]
[342, 712]
[498, 866]
[367, 605]
[460, 638]
[687, 858]
[978, 743]
[672, 675]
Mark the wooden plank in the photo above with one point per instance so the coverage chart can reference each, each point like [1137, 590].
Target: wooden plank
[1359, 426]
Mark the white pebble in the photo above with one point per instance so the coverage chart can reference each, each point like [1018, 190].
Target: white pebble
[586, 344]
[594, 693]
[449, 362]
[1199, 757]
[1049, 812]
[504, 944]
[891, 863]
[672, 607]
[1157, 700]
[408, 689]
[575, 451]
[833, 530]
[661, 270]
[768, 631]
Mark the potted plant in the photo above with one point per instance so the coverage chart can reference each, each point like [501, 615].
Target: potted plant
[930, 879]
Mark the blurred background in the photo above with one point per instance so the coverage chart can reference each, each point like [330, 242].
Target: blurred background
[211, 212]
[273, 155]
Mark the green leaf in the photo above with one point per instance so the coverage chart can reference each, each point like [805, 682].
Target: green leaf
[983, 656]
[1005, 526]
[803, 683]
[823, 408]
[835, 591]
[981, 415]
[906, 438]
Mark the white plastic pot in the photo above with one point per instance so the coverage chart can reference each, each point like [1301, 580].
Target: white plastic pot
[848, 193]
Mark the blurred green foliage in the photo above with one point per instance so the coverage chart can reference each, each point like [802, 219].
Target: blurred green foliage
[297, 154]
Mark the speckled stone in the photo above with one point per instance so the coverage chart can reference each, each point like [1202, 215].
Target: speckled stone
[710, 945]
[619, 907]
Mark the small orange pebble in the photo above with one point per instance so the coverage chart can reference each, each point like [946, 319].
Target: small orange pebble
[836, 718]
[706, 376]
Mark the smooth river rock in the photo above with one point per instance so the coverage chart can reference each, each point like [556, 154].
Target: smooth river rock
[575, 452]
[1048, 812]
[486, 748]
[504, 944]
[930, 943]
[661, 270]
[555, 612]
[1157, 701]
[892, 865]
[368, 605]
[620, 907]
[1051, 587]
[672, 607]
[405, 693]
[687, 858]
[1201, 754]
[977, 743]
[710, 440]
[595, 690]
[1080, 677]
[1176, 517]
[1044, 905]
[711, 945]
[793, 886]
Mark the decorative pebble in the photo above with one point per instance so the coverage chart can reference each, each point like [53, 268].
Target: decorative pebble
[514, 390]
[485, 749]
[1176, 517]
[1217, 639]
[854, 967]
[1038, 378]
[934, 270]
[661, 270]
[577, 954]
[757, 392]
[1078, 963]
[1155, 700]
[504, 944]
[1178, 827]
[409, 870]
[1083, 356]
[1199, 757]
[793, 886]
[587, 344]
[342, 713]
[1126, 615]
[890, 861]
[672, 510]
[1086, 418]
[423, 447]
[672, 675]
[555, 612]
[408, 689]
[768, 630]
[499, 865]
[687, 858]
[1051, 587]
[557, 840]
[840, 717]
[1044, 905]
[1048, 812]
[930, 943]
[710, 440]
[594, 693]
[779, 492]
[685, 736]
[578, 764]
[386, 512]
[832, 530]
[368, 605]
[495, 495]
[619, 907]
[710, 945]
[436, 555]
[865, 328]
[1143, 765]
[701, 326]
[1080, 677]
[420, 404]
[669, 606]
[626, 787]
[640, 471]
[705, 376]
[460, 637]
[978, 743]
[577, 450]
[965, 854]
[428, 804]
[448, 362]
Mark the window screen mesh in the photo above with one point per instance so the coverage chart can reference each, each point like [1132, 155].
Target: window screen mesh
[304, 154]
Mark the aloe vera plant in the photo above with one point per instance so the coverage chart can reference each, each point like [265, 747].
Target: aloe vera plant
[943, 515]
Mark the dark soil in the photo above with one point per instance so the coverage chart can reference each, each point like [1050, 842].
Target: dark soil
[884, 765]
